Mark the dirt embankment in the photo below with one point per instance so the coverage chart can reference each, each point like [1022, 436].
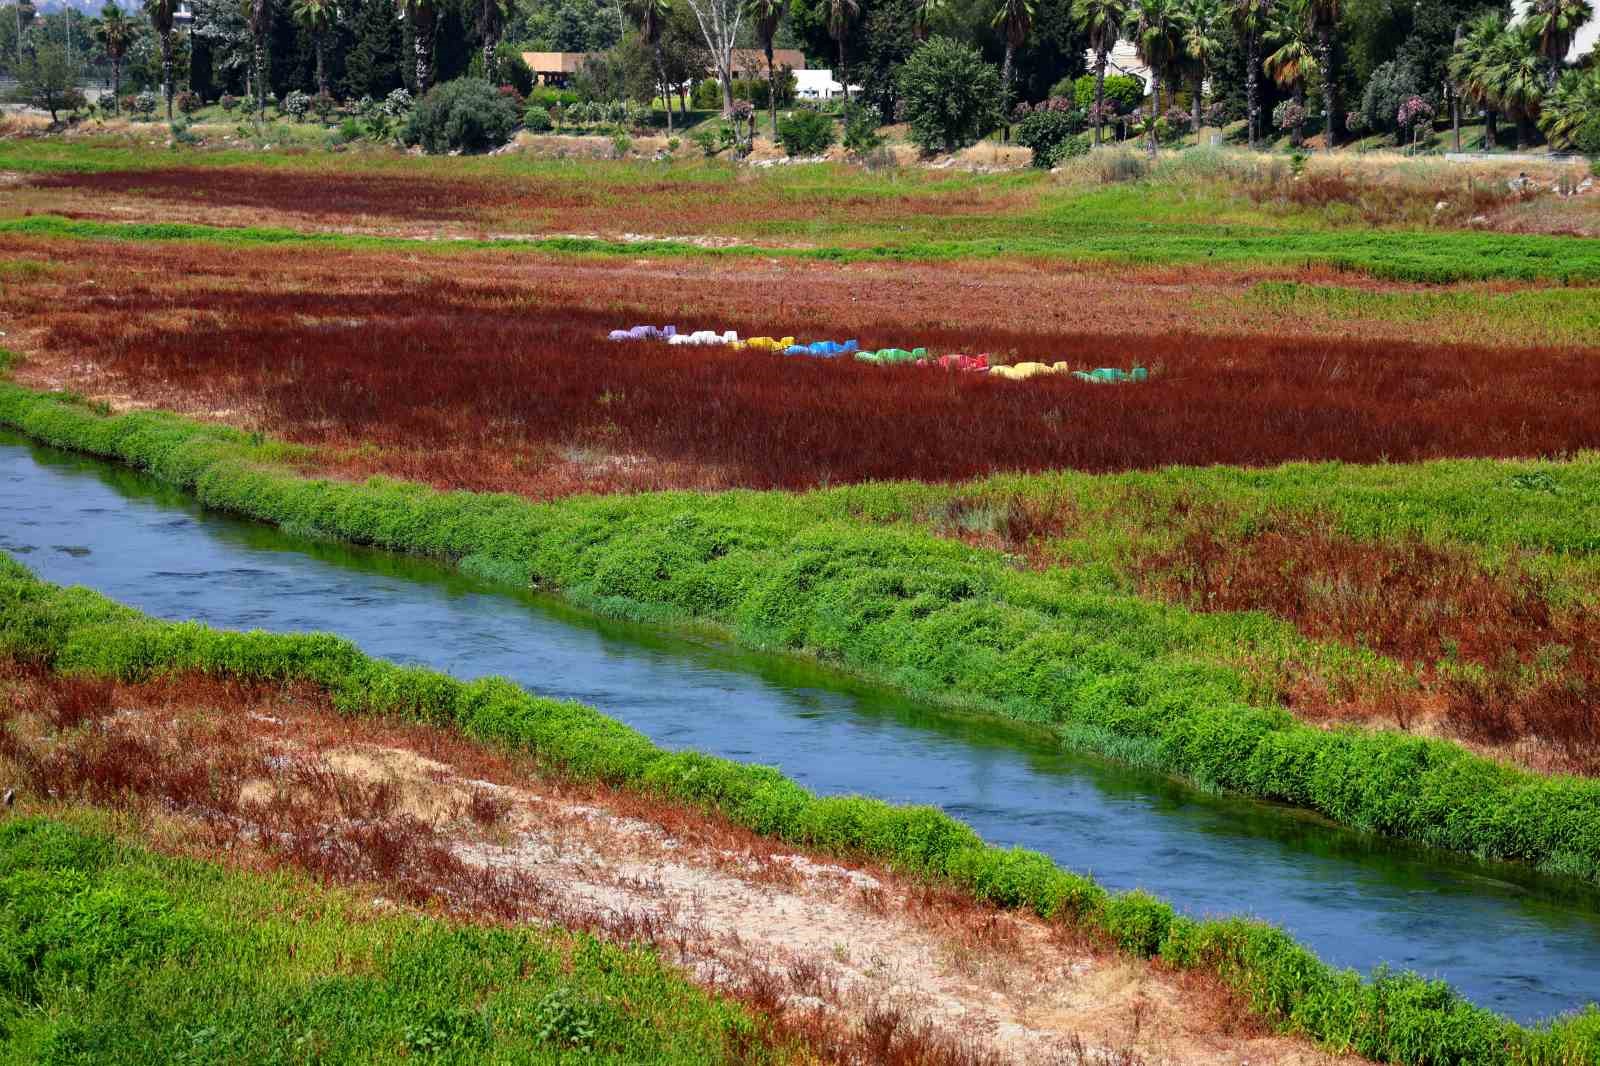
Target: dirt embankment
[868, 964]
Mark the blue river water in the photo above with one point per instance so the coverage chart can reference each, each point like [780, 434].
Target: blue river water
[1512, 940]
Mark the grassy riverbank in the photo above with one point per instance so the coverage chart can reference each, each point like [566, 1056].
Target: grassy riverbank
[1392, 1018]
[112, 953]
[1110, 672]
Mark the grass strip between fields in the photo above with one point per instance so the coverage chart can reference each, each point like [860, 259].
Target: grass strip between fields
[1396, 255]
[1108, 672]
[1395, 1018]
[112, 954]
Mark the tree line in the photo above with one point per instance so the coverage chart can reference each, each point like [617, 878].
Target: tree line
[1329, 68]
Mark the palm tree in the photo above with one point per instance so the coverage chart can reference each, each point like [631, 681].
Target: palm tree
[1469, 66]
[1015, 18]
[317, 17]
[1557, 23]
[260, 27]
[922, 12]
[1249, 20]
[840, 12]
[492, 15]
[1292, 56]
[1102, 20]
[1574, 102]
[1202, 44]
[115, 35]
[1324, 15]
[1515, 76]
[160, 13]
[765, 15]
[651, 18]
[423, 16]
[1158, 37]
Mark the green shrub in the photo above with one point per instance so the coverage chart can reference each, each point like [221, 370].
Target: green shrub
[805, 133]
[1048, 133]
[1122, 91]
[467, 115]
[861, 123]
[537, 119]
[706, 139]
[952, 96]
[512, 69]
[187, 102]
[547, 97]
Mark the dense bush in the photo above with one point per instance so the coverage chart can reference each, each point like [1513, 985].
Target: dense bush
[188, 102]
[467, 115]
[144, 103]
[296, 105]
[228, 101]
[547, 97]
[861, 124]
[1122, 91]
[512, 69]
[952, 95]
[805, 133]
[536, 119]
[1391, 84]
[1047, 133]
[397, 104]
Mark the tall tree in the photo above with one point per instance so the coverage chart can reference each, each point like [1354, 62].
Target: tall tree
[1324, 16]
[1158, 37]
[651, 17]
[161, 13]
[1202, 44]
[422, 17]
[492, 16]
[840, 14]
[114, 33]
[260, 28]
[1014, 18]
[720, 23]
[1515, 76]
[1471, 64]
[372, 64]
[1102, 20]
[317, 17]
[1571, 106]
[766, 16]
[1249, 21]
[922, 15]
[1291, 56]
[1557, 22]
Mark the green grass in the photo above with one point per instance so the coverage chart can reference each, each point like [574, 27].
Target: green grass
[1175, 217]
[112, 954]
[1109, 672]
[1542, 315]
[1395, 1018]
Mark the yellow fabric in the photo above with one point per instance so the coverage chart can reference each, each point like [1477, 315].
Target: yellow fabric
[767, 344]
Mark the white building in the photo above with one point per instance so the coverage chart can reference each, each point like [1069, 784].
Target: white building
[1123, 59]
[819, 85]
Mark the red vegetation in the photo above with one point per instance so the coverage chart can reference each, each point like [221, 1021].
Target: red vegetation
[557, 203]
[472, 368]
[1537, 669]
[301, 192]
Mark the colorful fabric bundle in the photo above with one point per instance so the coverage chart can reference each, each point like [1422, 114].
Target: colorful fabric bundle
[767, 344]
[958, 362]
[704, 336]
[645, 333]
[1110, 374]
[893, 355]
[822, 349]
[1023, 371]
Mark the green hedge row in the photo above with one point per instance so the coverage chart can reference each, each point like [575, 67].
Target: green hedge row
[1392, 1018]
[1109, 672]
